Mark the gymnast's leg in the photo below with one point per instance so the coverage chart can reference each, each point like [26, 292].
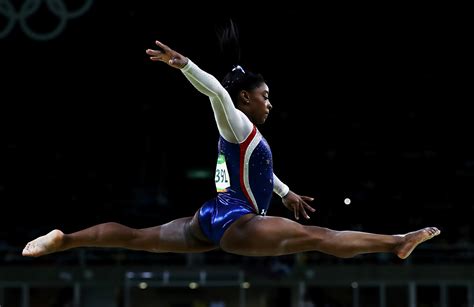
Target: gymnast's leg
[181, 236]
[254, 235]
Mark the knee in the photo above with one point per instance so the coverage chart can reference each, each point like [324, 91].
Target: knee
[321, 235]
[303, 238]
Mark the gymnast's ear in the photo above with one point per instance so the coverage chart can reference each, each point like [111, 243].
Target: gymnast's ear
[244, 97]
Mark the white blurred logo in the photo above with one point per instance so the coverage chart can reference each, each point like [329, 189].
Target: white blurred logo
[59, 15]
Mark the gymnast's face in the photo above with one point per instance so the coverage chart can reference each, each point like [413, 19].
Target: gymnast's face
[256, 104]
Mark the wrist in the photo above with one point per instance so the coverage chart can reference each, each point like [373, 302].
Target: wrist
[284, 191]
[187, 64]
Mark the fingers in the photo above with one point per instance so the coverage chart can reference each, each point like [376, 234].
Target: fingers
[298, 204]
[299, 208]
[156, 58]
[307, 198]
[309, 207]
[155, 55]
[305, 214]
[153, 52]
[162, 46]
[159, 55]
[306, 205]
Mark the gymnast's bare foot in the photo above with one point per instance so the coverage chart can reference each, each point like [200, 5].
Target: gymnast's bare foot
[44, 245]
[412, 239]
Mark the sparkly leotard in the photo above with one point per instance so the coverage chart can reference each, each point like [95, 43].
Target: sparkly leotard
[247, 158]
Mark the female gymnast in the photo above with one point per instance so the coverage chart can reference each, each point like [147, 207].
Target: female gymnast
[236, 219]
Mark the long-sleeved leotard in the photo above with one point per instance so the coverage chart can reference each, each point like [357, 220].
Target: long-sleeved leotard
[244, 172]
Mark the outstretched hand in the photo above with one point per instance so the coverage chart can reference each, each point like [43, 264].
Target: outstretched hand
[167, 55]
[298, 204]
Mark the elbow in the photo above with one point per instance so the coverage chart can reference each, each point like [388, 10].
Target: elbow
[219, 94]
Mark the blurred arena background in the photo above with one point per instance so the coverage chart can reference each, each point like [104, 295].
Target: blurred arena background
[371, 104]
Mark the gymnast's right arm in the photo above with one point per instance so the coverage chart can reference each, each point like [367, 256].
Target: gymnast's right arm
[233, 125]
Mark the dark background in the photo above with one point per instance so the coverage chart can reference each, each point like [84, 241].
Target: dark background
[370, 103]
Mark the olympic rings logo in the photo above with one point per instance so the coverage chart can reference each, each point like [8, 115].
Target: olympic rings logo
[29, 8]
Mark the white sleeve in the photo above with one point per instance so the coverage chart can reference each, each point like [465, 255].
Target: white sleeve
[233, 124]
[279, 187]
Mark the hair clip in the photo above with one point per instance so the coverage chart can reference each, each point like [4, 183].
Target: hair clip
[239, 68]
